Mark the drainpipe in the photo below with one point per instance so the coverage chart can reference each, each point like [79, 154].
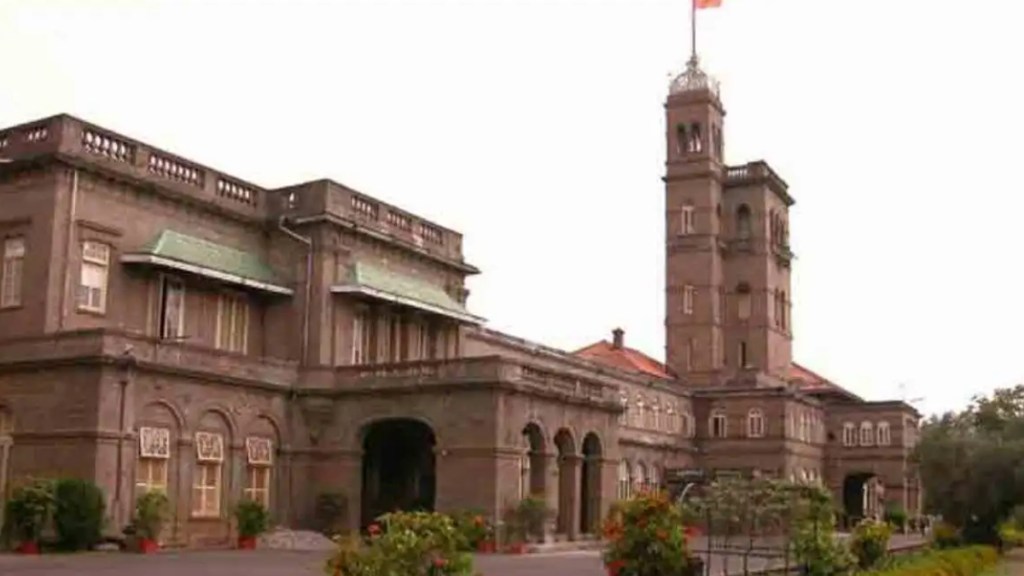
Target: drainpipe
[309, 283]
[68, 243]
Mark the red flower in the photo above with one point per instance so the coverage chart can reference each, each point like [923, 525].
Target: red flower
[440, 562]
[373, 529]
[478, 520]
[614, 567]
[662, 535]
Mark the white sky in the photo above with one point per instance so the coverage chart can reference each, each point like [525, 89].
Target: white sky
[535, 127]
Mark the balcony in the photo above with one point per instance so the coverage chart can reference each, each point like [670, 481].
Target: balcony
[476, 372]
[758, 173]
[111, 346]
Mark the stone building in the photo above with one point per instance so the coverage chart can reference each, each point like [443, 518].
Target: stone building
[164, 325]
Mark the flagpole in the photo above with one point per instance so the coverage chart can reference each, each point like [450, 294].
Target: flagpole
[693, 30]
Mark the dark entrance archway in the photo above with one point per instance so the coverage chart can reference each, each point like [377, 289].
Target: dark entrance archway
[854, 496]
[399, 471]
[567, 463]
[590, 485]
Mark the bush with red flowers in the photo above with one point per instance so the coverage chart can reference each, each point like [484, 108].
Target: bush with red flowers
[646, 537]
[406, 543]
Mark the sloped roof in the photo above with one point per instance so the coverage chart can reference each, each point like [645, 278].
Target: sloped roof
[392, 285]
[623, 358]
[811, 382]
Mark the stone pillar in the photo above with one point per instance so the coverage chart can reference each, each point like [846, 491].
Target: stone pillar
[466, 478]
[570, 468]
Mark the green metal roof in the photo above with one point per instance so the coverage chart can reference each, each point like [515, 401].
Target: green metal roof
[379, 282]
[190, 254]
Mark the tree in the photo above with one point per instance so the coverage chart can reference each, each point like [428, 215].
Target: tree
[972, 463]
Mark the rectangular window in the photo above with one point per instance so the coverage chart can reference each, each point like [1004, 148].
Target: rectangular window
[691, 354]
[233, 323]
[689, 223]
[359, 338]
[689, 293]
[11, 272]
[257, 485]
[92, 284]
[150, 475]
[206, 490]
[172, 308]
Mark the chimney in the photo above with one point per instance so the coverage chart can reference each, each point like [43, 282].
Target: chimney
[617, 338]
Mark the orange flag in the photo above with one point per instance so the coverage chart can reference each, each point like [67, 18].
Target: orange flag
[699, 4]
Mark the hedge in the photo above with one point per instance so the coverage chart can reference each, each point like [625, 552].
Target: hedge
[968, 561]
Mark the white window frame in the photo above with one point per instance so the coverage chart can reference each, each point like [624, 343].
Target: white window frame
[95, 257]
[883, 434]
[358, 337]
[12, 272]
[713, 430]
[624, 416]
[689, 429]
[849, 434]
[208, 481]
[688, 220]
[625, 487]
[228, 337]
[755, 423]
[867, 434]
[639, 477]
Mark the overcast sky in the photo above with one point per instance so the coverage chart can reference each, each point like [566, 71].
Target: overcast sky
[535, 127]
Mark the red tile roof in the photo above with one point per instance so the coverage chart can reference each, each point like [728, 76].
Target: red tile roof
[810, 381]
[623, 358]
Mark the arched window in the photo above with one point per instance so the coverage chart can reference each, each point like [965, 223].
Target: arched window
[755, 423]
[688, 219]
[782, 309]
[696, 140]
[743, 222]
[681, 141]
[639, 477]
[718, 427]
[867, 434]
[849, 434]
[719, 143]
[624, 416]
[671, 419]
[884, 434]
[805, 427]
[653, 479]
[624, 486]
[637, 419]
[655, 416]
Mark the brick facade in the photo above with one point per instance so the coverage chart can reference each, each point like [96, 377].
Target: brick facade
[304, 317]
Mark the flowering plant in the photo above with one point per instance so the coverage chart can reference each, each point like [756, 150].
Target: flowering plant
[474, 529]
[406, 543]
[646, 537]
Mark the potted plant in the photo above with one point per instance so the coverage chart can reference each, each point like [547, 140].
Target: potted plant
[151, 511]
[253, 519]
[27, 513]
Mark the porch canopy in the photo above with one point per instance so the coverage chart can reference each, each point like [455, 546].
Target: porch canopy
[392, 286]
[192, 255]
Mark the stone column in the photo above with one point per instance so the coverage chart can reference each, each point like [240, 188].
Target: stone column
[570, 468]
[466, 478]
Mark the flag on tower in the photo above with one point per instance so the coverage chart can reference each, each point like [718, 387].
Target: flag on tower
[700, 4]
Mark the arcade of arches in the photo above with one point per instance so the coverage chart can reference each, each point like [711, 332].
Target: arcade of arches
[402, 468]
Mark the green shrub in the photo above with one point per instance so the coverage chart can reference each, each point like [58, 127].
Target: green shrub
[406, 544]
[645, 537]
[330, 513]
[945, 535]
[28, 511]
[473, 527]
[897, 517]
[870, 543]
[968, 561]
[253, 518]
[78, 514]
[151, 511]
[527, 518]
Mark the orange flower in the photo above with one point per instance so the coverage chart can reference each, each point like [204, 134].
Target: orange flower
[478, 520]
[662, 535]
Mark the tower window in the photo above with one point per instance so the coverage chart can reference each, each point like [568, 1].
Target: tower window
[743, 301]
[718, 143]
[695, 144]
[689, 294]
[688, 220]
[743, 222]
[755, 423]
[691, 354]
[719, 425]
[744, 361]
[681, 142]
[867, 434]
[782, 309]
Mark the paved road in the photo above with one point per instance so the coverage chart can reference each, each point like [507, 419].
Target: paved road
[281, 563]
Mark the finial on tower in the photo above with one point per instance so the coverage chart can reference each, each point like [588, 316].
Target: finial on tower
[693, 78]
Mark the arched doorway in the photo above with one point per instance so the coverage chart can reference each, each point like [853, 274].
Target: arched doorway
[857, 497]
[590, 485]
[399, 471]
[567, 462]
[533, 477]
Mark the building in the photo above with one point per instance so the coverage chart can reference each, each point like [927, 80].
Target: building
[164, 325]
